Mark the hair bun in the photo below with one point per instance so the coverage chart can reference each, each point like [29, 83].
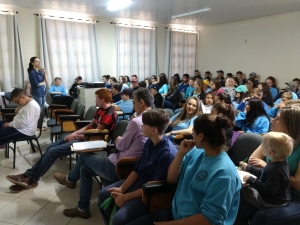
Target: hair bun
[222, 121]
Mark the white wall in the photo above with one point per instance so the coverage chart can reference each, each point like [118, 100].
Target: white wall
[268, 46]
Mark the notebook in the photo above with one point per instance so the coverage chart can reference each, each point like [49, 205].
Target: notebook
[243, 173]
[88, 146]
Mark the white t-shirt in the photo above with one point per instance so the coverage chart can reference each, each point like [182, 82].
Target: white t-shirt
[26, 119]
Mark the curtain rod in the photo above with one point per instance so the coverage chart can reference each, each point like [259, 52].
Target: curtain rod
[132, 25]
[62, 17]
[9, 11]
[180, 29]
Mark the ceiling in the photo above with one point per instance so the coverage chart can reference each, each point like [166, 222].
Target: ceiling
[160, 11]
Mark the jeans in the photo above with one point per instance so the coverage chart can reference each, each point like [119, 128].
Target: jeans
[157, 216]
[39, 99]
[87, 166]
[55, 150]
[8, 134]
[130, 211]
[168, 104]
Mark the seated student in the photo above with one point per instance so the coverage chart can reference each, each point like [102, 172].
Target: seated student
[158, 153]
[297, 81]
[254, 119]
[252, 82]
[223, 97]
[105, 118]
[273, 86]
[254, 75]
[215, 85]
[182, 122]
[57, 87]
[158, 99]
[105, 79]
[267, 96]
[122, 80]
[229, 87]
[90, 164]
[143, 84]
[206, 83]
[271, 187]
[286, 96]
[24, 123]
[125, 104]
[208, 190]
[199, 89]
[173, 96]
[112, 80]
[73, 89]
[162, 81]
[154, 79]
[148, 82]
[257, 93]
[116, 92]
[208, 102]
[207, 75]
[197, 74]
[190, 89]
[185, 83]
[240, 75]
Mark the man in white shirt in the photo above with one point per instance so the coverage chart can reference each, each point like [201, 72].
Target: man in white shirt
[25, 122]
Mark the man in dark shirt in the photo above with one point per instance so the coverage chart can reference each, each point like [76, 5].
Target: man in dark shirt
[221, 77]
[158, 99]
[116, 92]
[158, 153]
[185, 83]
[239, 75]
[73, 89]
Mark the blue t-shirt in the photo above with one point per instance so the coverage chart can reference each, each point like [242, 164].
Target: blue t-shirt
[189, 92]
[259, 126]
[155, 161]
[126, 106]
[164, 89]
[184, 124]
[274, 92]
[183, 87]
[59, 88]
[207, 185]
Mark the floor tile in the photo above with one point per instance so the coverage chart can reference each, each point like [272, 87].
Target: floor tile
[5, 200]
[94, 219]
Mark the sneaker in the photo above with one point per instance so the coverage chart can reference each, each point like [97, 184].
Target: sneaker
[62, 179]
[76, 213]
[18, 179]
[17, 188]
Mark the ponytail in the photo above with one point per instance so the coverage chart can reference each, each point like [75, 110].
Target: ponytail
[30, 66]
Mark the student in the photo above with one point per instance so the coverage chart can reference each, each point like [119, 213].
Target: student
[148, 82]
[122, 80]
[267, 96]
[221, 77]
[297, 81]
[257, 93]
[229, 87]
[115, 90]
[207, 75]
[228, 75]
[190, 89]
[223, 97]
[158, 153]
[105, 79]
[158, 99]
[125, 104]
[254, 75]
[252, 82]
[127, 80]
[215, 85]
[185, 83]
[208, 190]
[182, 122]
[73, 89]
[199, 89]
[154, 79]
[57, 87]
[197, 74]
[206, 83]
[240, 95]
[273, 86]
[239, 75]
[208, 102]
[173, 96]
[25, 121]
[91, 164]
[271, 187]
[162, 81]
[254, 119]
[105, 118]
[286, 96]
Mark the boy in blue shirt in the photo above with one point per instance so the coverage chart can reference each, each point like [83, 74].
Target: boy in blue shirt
[125, 105]
[185, 83]
[190, 89]
[57, 87]
[158, 153]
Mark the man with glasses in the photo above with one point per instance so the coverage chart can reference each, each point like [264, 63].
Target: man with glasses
[25, 121]
[134, 83]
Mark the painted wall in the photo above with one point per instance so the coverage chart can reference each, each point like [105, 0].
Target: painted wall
[268, 46]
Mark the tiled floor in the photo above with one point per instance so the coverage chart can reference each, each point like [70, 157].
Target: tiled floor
[44, 204]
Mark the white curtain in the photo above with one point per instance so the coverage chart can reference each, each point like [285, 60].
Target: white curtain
[69, 49]
[136, 52]
[12, 70]
[181, 52]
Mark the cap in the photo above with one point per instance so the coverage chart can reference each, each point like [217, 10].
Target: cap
[154, 86]
[206, 82]
[127, 91]
[241, 88]
[292, 86]
[220, 71]
[253, 74]
[78, 78]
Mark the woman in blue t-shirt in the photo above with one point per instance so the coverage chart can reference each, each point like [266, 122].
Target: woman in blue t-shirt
[208, 190]
[182, 122]
[162, 82]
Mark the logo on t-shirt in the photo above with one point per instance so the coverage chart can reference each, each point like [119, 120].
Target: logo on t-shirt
[202, 175]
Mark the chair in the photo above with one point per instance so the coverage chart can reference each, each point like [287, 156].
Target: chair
[6, 97]
[244, 146]
[28, 139]
[163, 101]
[70, 126]
[170, 112]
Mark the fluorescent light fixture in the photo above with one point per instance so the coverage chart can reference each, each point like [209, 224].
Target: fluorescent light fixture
[118, 4]
[190, 13]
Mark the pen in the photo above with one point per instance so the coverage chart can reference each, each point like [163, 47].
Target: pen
[243, 161]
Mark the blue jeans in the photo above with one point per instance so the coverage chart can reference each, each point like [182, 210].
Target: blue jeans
[130, 211]
[55, 150]
[39, 99]
[157, 216]
[8, 134]
[168, 104]
[87, 166]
